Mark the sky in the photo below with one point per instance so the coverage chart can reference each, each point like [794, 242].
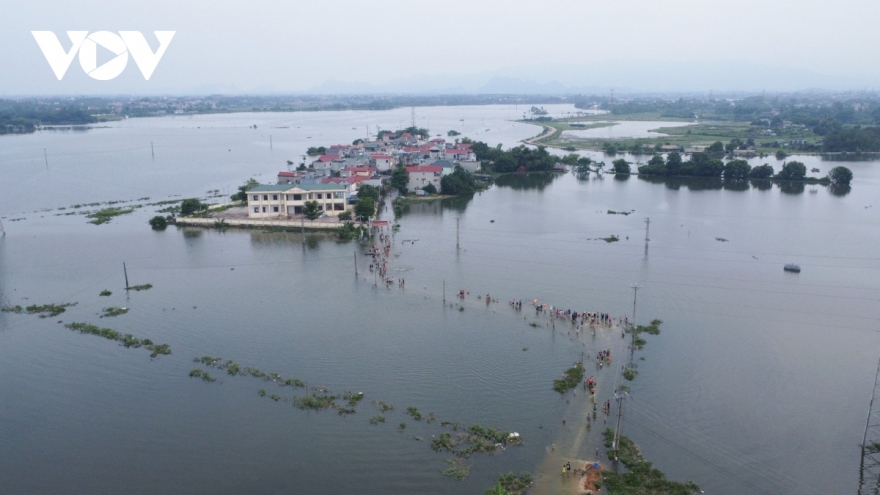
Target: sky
[290, 46]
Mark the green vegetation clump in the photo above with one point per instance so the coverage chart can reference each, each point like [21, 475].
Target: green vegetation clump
[511, 484]
[106, 214]
[113, 311]
[457, 469]
[612, 212]
[414, 413]
[158, 222]
[384, 406]
[611, 238]
[353, 398]
[126, 340]
[44, 310]
[444, 441]
[642, 477]
[139, 288]
[377, 419]
[572, 378]
[316, 402]
[199, 373]
[630, 374]
[105, 293]
[459, 182]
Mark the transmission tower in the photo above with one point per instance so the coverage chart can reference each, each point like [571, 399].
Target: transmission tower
[412, 116]
[869, 470]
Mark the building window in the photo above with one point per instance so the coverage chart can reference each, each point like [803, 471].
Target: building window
[256, 197]
[256, 209]
[264, 209]
[275, 209]
[265, 197]
[274, 197]
[297, 197]
[318, 195]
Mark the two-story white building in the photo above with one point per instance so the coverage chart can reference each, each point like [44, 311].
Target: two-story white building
[281, 200]
[422, 175]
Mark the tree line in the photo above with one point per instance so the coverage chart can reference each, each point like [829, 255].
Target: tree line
[705, 165]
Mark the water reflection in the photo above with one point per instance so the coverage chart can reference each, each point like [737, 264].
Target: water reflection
[535, 180]
[191, 232]
[736, 185]
[622, 177]
[840, 189]
[850, 157]
[792, 187]
[456, 204]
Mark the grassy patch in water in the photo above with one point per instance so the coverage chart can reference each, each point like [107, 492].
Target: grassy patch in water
[571, 379]
[414, 413]
[377, 419]
[611, 238]
[113, 311]
[105, 293]
[316, 402]
[127, 340]
[199, 373]
[457, 469]
[139, 288]
[511, 484]
[43, 310]
[106, 214]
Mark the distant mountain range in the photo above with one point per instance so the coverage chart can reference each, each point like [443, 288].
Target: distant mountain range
[621, 76]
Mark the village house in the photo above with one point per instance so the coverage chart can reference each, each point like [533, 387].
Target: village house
[282, 200]
[422, 175]
[383, 162]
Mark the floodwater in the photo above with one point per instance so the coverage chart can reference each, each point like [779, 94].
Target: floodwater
[758, 383]
[623, 129]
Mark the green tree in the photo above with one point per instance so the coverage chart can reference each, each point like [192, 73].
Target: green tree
[716, 148]
[430, 189]
[764, 171]
[840, 176]
[365, 209]
[158, 223]
[781, 155]
[399, 179]
[190, 206]
[311, 210]
[241, 195]
[792, 171]
[368, 191]
[458, 182]
[737, 169]
[673, 163]
[345, 216]
[621, 166]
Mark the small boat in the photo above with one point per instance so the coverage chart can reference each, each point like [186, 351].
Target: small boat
[791, 267]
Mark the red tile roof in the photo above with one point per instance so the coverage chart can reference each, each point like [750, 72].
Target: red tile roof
[288, 174]
[327, 158]
[381, 157]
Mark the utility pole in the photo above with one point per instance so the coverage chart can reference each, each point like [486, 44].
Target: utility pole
[270, 141]
[125, 271]
[302, 231]
[456, 232]
[869, 468]
[615, 445]
[632, 328]
[46, 157]
[647, 226]
[444, 293]
[355, 263]
[152, 151]
[412, 113]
